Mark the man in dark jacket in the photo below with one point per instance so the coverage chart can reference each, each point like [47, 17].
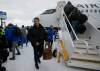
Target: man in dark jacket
[37, 35]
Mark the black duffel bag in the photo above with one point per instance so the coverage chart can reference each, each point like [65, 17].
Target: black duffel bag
[81, 28]
[83, 18]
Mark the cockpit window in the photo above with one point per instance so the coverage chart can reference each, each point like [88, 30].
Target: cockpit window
[50, 11]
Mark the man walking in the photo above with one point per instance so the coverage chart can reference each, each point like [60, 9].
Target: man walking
[12, 34]
[37, 35]
[50, 35]
[24, 35]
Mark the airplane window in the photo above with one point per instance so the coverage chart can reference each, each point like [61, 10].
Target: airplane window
[86, 10]
[91, 10]
[50, 11]
[95, 11]
[99, 11]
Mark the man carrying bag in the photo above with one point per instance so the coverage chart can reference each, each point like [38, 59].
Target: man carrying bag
[37, 35]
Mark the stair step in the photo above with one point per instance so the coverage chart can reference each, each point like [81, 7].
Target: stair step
[84, 64]
[84, 47]
[84, 39]
[81, 42]
[84, 51]
[85, 57]
[80, 46]
[81, 37]
[78, 42]
[90, 43]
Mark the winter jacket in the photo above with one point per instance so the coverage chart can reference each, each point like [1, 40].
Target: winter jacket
[9, 34]
[24, 32]
[35, 36]
[50, 34]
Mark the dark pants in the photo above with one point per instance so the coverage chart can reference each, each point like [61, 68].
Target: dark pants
[10, 45]
[38, 51]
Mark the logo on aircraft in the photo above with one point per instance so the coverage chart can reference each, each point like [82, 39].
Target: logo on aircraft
[87, 6]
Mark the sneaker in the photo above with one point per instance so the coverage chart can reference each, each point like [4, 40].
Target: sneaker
[36, 66]
[13, 58]
[3, 69]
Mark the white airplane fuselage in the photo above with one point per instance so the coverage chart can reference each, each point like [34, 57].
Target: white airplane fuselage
[92, 10]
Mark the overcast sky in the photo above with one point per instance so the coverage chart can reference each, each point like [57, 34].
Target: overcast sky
[23, 11]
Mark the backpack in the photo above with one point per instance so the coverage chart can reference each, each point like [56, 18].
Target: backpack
[83, 18]
[16, 31]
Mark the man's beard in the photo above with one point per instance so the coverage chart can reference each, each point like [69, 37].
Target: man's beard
[36, 26]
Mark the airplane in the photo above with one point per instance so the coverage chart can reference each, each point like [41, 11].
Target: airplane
[90, 8]
[88, 40]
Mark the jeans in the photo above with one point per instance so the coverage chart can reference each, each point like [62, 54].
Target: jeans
[14, 46]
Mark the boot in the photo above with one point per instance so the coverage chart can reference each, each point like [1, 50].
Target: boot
[13, 58]
[36, 66]
[18, 53]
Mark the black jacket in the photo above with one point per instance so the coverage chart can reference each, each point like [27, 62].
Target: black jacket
[3, 42]
[37, 35]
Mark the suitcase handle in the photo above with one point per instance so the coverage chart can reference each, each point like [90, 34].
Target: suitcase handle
[47, 44]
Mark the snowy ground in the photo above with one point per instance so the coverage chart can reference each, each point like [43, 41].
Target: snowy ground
[25, 62]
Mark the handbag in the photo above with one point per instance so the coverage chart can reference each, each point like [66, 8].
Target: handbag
[47, 53]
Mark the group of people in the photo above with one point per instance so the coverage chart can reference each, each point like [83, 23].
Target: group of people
[12, 37]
